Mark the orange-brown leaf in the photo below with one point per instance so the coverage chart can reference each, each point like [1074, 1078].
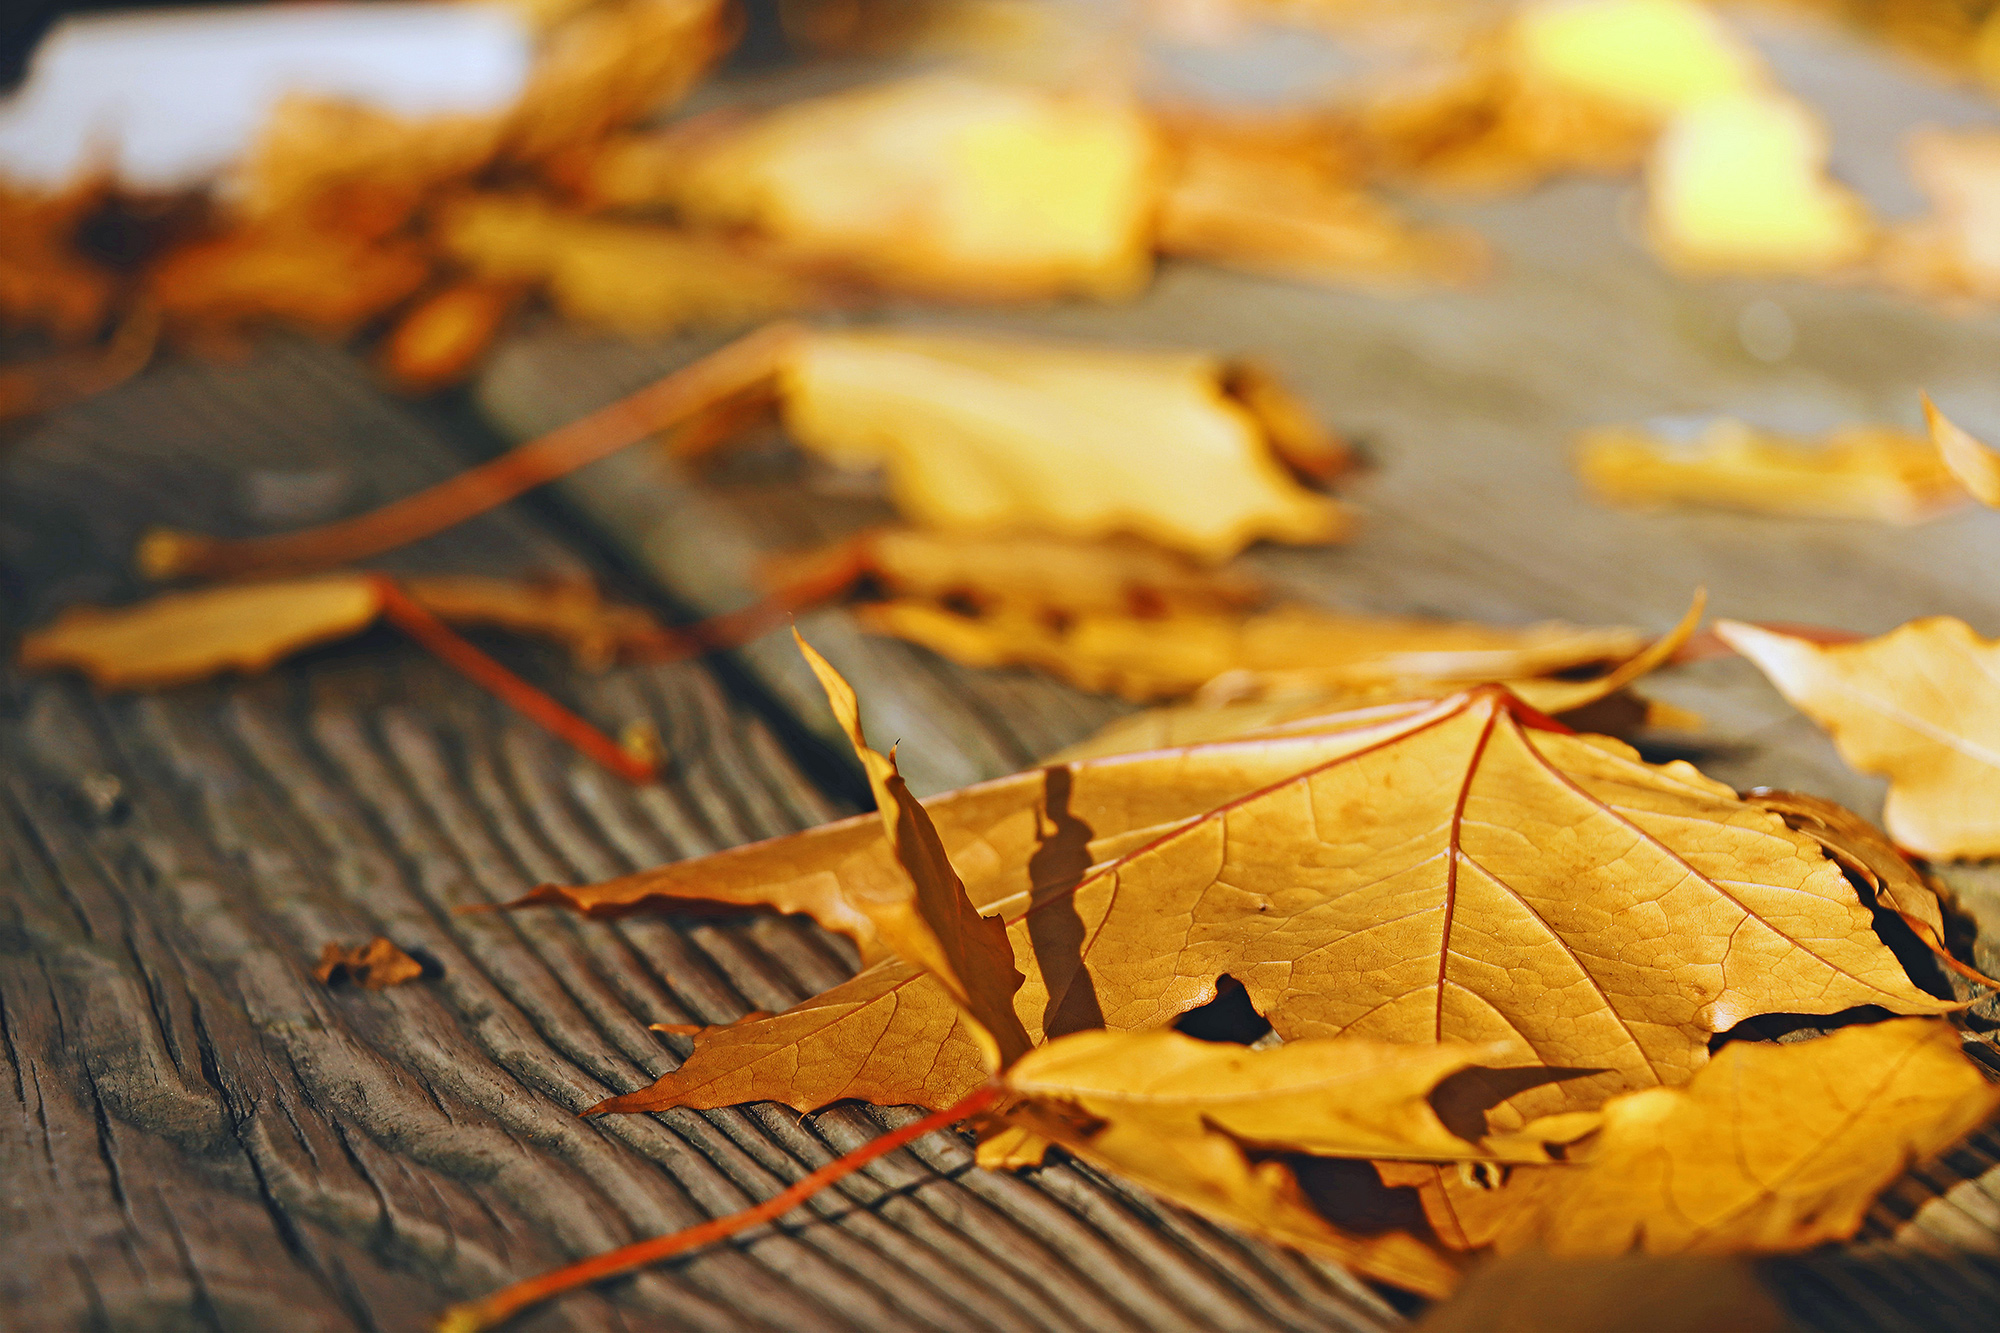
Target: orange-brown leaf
[924, 916]
[375, 965]
[1775, 1146]
[1450, 871]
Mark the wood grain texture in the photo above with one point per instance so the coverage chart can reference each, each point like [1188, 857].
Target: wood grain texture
[203, 1137]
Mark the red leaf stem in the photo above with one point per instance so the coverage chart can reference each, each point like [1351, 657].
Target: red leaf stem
[691, 389]
[443, 642]
[503, 1304]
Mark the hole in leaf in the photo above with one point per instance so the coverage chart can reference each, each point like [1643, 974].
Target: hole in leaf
[1463, 1099]
[1228, 1017]
[1797, 1027]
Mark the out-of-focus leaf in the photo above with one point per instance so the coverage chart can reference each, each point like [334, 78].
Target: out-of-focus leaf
[1738, 184]
[1289, 649]
[637, 278]
[988, 434]
[1872, 472]
[942, 183]
[1972, 461]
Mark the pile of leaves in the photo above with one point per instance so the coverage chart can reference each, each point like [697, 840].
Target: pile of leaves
[1453, 939]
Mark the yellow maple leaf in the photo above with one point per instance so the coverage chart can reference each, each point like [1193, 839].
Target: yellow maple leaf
[1918, 705]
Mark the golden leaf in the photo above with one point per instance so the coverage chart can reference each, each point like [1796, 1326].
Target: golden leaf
[633, 277]
[1178, 1116]
[1243, 197]
[1738, 184]
[1774, 1146]
[1250, 709]
[1873, 472]
[987, 434]
[1561, 86]
[185, 636]
[923, 915]
[1288, 649]
[1334, 1097]
[1026, 571]
[1918, 705]
[1652, 57]
[943, 183]
[1974, 462]
[1863, 851]
[179, 637]
[1437, 872]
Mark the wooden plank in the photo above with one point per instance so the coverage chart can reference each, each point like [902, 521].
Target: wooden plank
[202, 1136]
[1468, 402]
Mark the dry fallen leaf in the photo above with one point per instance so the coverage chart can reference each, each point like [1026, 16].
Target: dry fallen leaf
[438, 341]
[1562, 86]
[1447, 871]
[376, 965]
[1972, 461]
[1027, 572]
[179, 637]
[943, 183]
[636, 278]
[1169, 1111]
[327, 280]
[1918, 705]
[1875, 472]
[985, 434]
[1774, 1146]
[1953, 252]
[1287, 649]
[1248, 198]
[1234, 713]
[1738, 184]
[923, 914]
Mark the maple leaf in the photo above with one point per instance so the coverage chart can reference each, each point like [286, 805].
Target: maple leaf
[1289, 649]
[1774, 1146]
[1917, 705]
[925, 916]
[982, 434]
[1454, 870]
[1856, 472]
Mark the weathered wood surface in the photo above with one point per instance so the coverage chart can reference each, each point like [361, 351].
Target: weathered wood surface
[201, 1137]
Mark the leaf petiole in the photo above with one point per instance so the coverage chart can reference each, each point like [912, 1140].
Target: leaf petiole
[472, 1316]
